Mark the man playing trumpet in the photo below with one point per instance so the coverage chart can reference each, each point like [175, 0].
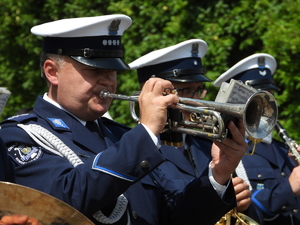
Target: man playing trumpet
[182, 65]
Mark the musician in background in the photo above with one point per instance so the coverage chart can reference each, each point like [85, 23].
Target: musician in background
[274, 176]
[182, 65]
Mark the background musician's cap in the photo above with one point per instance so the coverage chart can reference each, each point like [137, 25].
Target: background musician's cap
[181, 62]
[93, 41]
[255, 70]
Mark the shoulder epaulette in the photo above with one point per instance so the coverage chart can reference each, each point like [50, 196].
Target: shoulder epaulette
[19, 118]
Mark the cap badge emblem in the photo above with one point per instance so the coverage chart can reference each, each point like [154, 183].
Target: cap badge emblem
[261, 61]
[114, 27]
[263, 73]
[195, 51]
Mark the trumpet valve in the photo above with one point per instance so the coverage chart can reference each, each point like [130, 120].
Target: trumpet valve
[169, 91]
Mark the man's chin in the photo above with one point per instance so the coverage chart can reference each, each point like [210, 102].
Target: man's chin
[101, 110]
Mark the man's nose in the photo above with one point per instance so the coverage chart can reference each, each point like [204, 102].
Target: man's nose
[107, 77]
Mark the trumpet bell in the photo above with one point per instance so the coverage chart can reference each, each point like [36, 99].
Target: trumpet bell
[260, 114]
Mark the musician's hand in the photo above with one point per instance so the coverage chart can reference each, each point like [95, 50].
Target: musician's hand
[293, 158]
[153, 105]
[242, 193]
[17, 219]
[226, 155]
[294, 180]
[298, 149]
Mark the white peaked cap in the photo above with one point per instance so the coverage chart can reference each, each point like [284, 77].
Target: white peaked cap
[264, 64]
[181, 62]
[178, 51]
[92, 41]
[79, 27]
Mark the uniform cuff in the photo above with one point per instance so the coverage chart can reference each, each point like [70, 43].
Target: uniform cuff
[220, 189]
[153, 137]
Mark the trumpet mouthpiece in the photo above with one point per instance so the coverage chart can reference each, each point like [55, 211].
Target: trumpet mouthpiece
[104, 94]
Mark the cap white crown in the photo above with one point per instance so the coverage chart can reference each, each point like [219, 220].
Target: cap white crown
[81, 27]
[178, 51]
[248, 63]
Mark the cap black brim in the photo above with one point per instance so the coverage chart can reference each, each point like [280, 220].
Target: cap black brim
[266, 87]
[103, 63]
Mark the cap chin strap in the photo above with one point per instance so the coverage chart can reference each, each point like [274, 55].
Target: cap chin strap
[52, 143]
[88, 53]
[91, 53]
[181, 72]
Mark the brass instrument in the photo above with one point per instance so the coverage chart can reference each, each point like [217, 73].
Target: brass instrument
[292, 145]
[240, 219]
[258, 114]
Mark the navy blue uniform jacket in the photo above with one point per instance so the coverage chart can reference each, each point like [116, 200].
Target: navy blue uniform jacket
[268, 171]
[182, 168]
[6, 168]
[124, 165]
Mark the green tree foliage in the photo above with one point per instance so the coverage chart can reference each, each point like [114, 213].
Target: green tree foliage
[233, 30]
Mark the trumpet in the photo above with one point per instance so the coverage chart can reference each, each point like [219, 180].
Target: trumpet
[258, 114]
[292, 145]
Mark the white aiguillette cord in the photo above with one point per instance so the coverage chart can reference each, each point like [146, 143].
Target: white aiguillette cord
[241, 172]
[52, 143]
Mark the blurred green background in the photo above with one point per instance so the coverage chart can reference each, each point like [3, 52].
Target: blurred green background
[232, 29]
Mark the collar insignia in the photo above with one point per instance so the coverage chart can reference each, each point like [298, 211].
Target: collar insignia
[58, 122]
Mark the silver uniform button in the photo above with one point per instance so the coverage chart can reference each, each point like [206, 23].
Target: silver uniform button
[144, 164]
[295, 211]
[259, 176]
[283, 174]
[283, 208]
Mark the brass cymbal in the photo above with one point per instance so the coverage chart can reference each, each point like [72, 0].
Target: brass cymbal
[18, 199]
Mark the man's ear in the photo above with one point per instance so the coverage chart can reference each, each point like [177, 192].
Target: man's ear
[50, 69]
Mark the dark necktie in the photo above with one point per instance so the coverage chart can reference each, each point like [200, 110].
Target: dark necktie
[94, 128]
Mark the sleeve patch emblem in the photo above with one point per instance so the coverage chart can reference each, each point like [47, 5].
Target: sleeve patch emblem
[23, 154]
